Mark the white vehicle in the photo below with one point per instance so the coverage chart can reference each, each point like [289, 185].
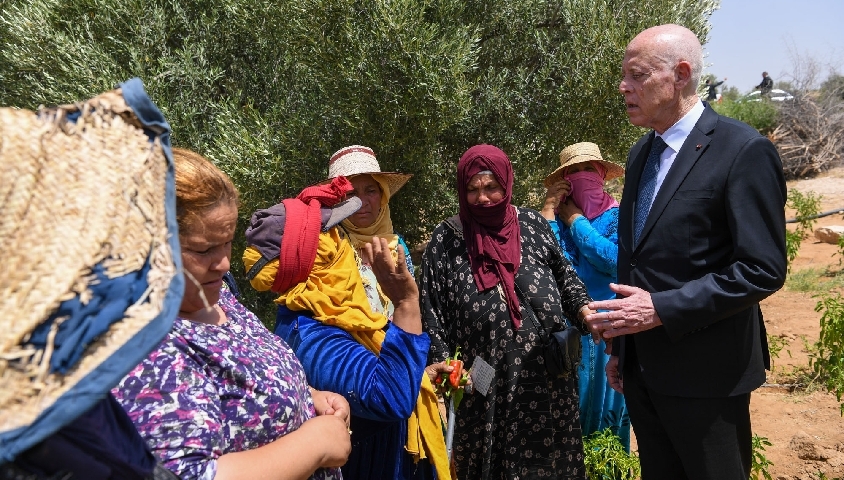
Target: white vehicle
[776, 95]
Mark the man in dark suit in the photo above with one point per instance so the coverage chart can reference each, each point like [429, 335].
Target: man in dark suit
[701, 242]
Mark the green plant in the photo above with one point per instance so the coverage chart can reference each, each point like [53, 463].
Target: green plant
[775, 346]
[827, 359]
[760, 115]
[840, 251]
[792, 246]
[606, 458]
[759, 462]
[807, 206]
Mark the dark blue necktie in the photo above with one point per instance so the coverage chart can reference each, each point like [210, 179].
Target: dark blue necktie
[647, 187]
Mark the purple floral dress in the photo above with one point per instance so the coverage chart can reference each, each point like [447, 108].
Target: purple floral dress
[208, 390]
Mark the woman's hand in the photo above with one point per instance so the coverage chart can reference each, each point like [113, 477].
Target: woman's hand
[397, 283]
[553, 196]
[569, 212]
[393, 277]
[320, 442]
[331, 436]
[435, 370]
[330, 403]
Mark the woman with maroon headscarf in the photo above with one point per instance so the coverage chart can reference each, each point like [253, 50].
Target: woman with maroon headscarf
[476, 270]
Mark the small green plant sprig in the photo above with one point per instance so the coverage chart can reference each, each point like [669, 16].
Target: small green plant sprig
[775, 346]
[827, 358]
[840, 251]
[807, 206]
[760, 463]
[606, 458]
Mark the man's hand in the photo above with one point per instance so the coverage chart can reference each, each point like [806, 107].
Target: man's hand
[613, 375]
[632, 314]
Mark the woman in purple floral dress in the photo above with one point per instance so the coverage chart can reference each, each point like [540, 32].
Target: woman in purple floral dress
[222, 397]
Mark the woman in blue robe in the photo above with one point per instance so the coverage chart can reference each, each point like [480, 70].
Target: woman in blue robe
[584, 218]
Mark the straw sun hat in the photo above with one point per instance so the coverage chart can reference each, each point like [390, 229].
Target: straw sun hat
[91, 277]
[357, 160]
[579, 153]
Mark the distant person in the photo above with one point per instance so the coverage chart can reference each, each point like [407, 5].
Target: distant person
[711, 86]
[766, 85]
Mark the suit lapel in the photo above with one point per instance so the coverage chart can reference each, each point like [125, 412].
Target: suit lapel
[691, 151]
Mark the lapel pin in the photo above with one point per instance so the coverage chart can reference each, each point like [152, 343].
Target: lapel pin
[697, 147]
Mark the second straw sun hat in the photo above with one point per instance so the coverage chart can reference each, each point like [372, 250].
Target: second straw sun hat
[357, 160]
[578, 153]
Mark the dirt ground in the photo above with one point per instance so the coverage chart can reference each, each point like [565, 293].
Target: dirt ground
[804, 426]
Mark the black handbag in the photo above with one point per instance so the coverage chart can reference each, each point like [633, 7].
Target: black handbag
[561, 350]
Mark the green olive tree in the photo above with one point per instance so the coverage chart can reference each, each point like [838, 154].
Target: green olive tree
[269, 89]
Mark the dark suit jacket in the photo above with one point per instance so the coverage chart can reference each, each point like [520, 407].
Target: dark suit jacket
[713, 246]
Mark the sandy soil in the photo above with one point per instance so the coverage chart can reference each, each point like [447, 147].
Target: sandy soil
[804, 426]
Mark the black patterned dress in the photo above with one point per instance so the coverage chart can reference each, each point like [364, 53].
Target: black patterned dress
[528, 425]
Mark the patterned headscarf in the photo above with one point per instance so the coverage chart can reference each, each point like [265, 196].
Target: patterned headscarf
[492, 233]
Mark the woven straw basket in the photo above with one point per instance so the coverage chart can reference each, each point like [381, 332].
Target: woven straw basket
[76, 194]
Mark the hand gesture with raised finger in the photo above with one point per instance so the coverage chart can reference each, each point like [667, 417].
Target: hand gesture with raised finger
[393, 277]
[397, 283]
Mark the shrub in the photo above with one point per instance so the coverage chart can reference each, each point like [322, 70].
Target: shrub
[761, 115]
[606, 458]
[759, 462]
[807, 206]
[827, 358]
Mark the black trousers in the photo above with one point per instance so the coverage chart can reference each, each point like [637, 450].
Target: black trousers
[688, 438]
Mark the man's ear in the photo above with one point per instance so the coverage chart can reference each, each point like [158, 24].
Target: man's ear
[682, 74]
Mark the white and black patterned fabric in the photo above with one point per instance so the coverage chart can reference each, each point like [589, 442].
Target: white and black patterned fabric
[527, 427]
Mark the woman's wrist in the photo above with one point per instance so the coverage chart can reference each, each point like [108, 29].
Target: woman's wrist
[548, 212]
[408, 316]
[583, 312]
[569, 221]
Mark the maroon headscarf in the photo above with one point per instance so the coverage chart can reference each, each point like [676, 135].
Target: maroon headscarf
[492, 232]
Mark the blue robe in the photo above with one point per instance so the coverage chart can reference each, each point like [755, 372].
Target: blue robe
[592, 249]
[381, 390]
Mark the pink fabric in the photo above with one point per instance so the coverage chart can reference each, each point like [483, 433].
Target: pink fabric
[301, 231]
[492, 233]
[587, 191]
